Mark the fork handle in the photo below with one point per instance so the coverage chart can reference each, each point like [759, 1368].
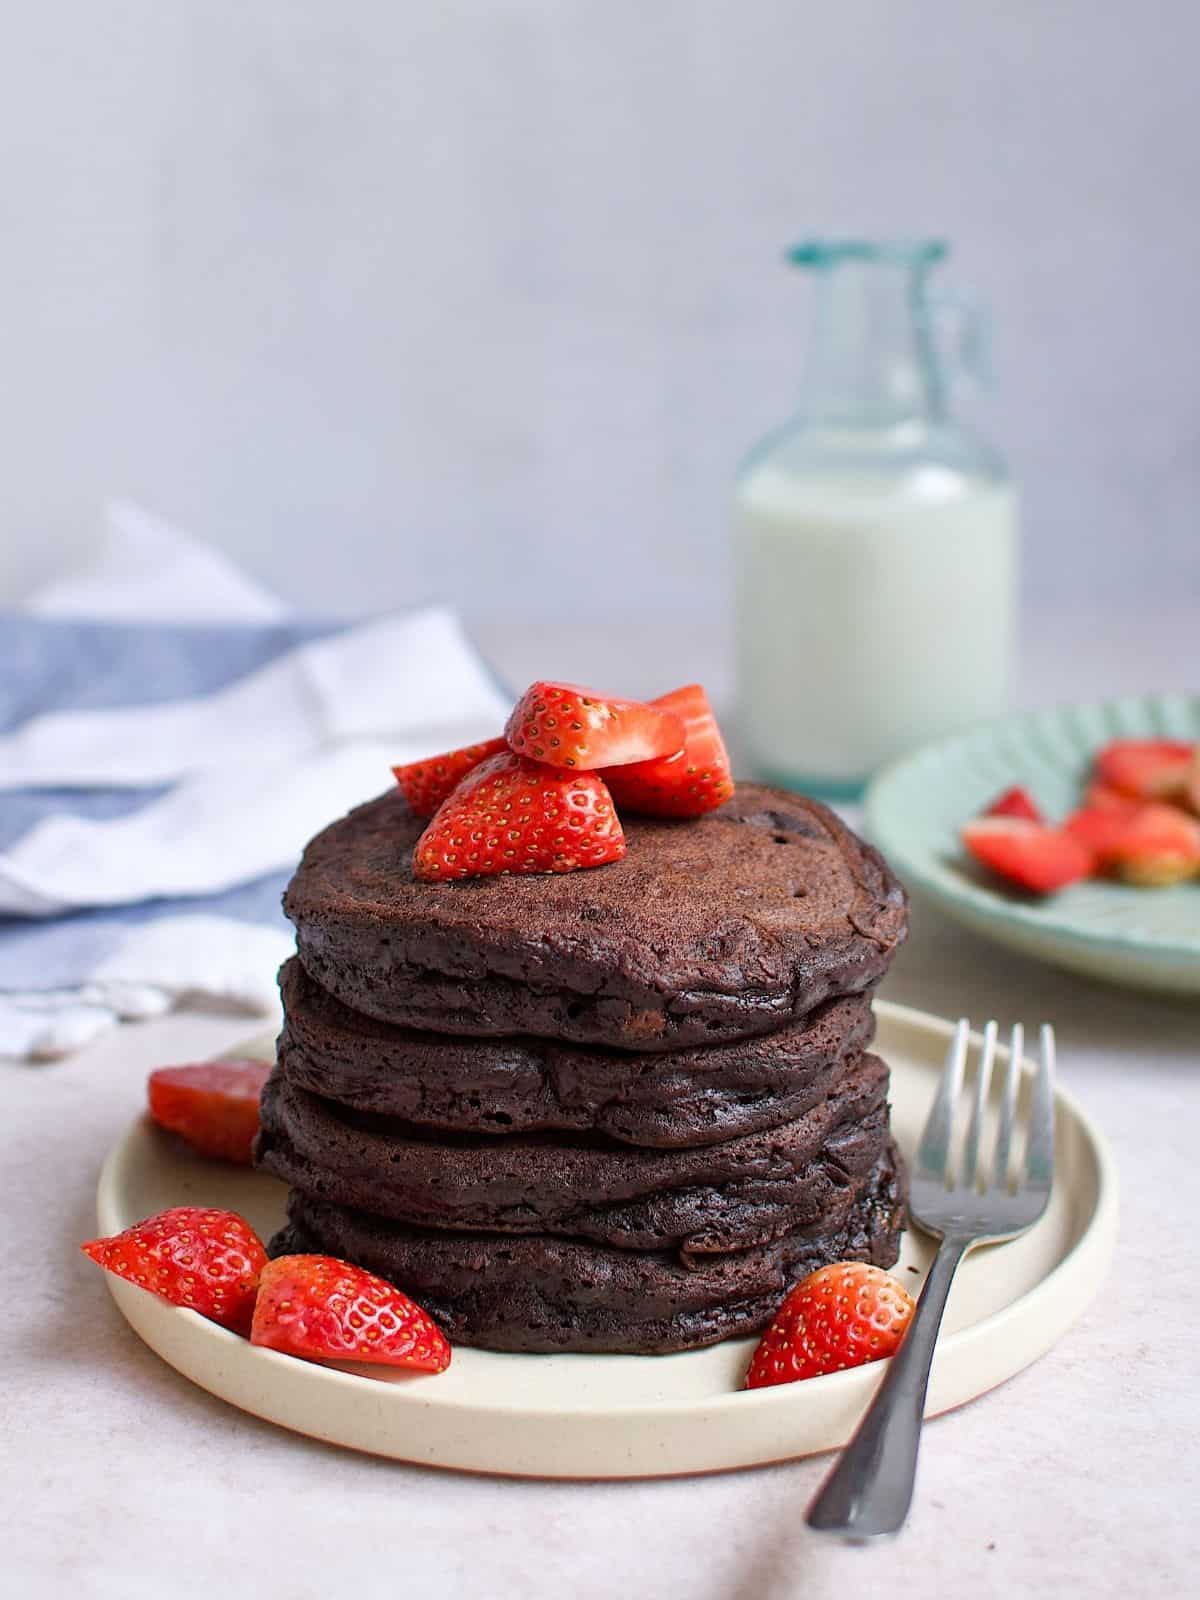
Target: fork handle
[869, 1491]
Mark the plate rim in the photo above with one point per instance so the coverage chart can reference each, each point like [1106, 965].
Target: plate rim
[991, 904]
[1086, 1260]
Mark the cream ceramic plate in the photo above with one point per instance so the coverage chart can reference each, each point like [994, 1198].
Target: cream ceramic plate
[574, 1416]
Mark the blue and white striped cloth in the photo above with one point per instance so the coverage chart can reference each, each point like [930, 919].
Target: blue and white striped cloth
[158, 779]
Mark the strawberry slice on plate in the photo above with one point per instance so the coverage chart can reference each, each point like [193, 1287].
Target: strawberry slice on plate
[1146, 769]
[1028, 854]
[513, 815]
[212, 1105]
[323, 1309]
[207, 1260]
[839, 1316]
[1100, 797]
[694, 780]
[1015, 802]
[425, 784]
[563, 725]
[1152, 844]
[1191, 787]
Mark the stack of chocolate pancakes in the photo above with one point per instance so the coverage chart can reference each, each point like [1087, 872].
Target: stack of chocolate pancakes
[616, 1109]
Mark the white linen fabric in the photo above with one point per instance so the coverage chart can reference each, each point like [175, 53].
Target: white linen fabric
[236, 778]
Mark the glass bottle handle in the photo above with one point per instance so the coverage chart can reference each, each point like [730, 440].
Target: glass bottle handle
[970, 338]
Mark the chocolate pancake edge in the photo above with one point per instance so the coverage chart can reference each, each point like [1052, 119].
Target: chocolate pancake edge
[539, 1294]
[705, 1198]
[708, 930]
[692, 1096]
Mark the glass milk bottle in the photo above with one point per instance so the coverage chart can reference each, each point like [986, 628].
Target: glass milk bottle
[876, 540]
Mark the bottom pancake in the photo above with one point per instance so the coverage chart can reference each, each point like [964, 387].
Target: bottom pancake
[541, 1293]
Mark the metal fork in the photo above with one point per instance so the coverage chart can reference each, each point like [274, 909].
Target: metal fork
[870, 1489]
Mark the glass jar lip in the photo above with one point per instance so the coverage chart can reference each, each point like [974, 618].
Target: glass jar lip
[815, 252]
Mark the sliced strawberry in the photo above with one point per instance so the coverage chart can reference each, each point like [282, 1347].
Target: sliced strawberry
[1153, 845]
[427, 783]
[695, 780]
[838, 1317]
[1147, 769]
[1103, 820]
[1015, 802]
[1035, 857]
[563, 725]
[513, 815]
[317, 1307]
[1100, 797]
[213, 1105]
[207, 1260]
[1191, 789]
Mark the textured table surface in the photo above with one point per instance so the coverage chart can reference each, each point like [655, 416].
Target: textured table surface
[1081, 1475]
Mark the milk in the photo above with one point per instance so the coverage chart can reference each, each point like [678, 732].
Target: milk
[875, 611]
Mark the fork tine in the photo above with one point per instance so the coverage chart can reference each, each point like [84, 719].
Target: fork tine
[983, 1078]
[1008, 1109]
[1039, 1155]
[933, 1152]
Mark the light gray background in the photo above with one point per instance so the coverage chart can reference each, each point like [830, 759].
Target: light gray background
[484, 299]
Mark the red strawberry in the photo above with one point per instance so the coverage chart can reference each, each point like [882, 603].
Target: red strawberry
[687, 784]
[513, 815]
[1015, 802]
[213, 1105]
[317, 1307]
[207, 1260]
[1103, 820]
[837, 1317]
[1037, 858]
[1147, 769]
[1099, 797]
[427, 783]
[566, 726]
[1155, 846]
[1191, 789]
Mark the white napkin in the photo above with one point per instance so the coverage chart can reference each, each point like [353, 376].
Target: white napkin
[144, 568]
[255, 769]
[411, 678]
[220, 960]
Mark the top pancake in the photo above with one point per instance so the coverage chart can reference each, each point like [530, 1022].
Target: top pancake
[706, 931]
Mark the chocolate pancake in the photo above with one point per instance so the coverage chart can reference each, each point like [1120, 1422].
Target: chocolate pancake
[534, 1292]
[694, 1096]
[706, 931]
[707, 1198]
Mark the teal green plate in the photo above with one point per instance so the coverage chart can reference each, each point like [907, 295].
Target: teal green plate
[1149, 938]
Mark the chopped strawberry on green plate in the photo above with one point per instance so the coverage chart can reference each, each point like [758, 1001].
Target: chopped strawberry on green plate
[1146, 769]
[1015, 802]
[1028, 854]
[1150, 844]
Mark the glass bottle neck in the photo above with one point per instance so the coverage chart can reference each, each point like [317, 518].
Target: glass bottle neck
[871, 360]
